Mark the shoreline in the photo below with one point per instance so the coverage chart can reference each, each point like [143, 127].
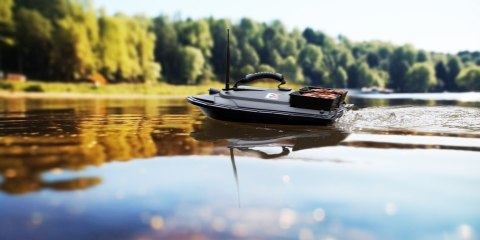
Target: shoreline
[49, 95]
[446, 96]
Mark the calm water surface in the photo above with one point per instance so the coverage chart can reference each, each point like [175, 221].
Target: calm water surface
[156, 168]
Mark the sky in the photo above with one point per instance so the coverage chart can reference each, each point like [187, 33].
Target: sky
[445, 26]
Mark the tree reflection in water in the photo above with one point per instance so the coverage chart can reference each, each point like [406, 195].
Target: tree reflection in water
[48, 136]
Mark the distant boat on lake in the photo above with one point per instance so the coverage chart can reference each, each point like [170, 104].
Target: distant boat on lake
[376, 90]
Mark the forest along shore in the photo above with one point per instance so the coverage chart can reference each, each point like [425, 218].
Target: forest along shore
[71, 41]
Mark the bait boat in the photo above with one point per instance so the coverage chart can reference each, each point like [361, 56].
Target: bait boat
[307, 106]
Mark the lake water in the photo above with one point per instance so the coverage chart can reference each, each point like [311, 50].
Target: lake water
[398, 167]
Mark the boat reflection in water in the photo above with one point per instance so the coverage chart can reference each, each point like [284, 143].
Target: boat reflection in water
[248, 137]
[259, 139]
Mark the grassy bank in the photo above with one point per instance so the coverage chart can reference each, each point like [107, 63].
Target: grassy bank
[88, 88]
[123, 88]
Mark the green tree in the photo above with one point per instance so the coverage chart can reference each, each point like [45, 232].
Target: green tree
[422, 56]
[145, 46]
[318, 38]
[113, 53]
[385, 51]
[53, 10]
[127, 49]
[441, 73]
[368, 77]
[294, 43]
[192, 65]
[218, 28]
[329, 62]
[340, 77]
[373, 60]
[166, 46]
[34, 36]
[311, 60]
[6, 11]
[274, 37]
[72, 53]
[6, 22]
[469, 79]
[247, 31]
[454, 66]
[197, 34]
[265, 68]
[249, 56]
[247, 69]
[6, 28]
[402, 58]
[291, 70]
[420, 78]
[76, 38]
[275, 58]
[352, 73]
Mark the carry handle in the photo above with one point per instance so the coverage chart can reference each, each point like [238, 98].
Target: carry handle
[261, 75]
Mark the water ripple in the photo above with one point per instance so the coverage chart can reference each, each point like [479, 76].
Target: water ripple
[428, 119]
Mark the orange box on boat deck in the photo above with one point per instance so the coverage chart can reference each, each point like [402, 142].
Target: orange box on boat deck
[317, 98]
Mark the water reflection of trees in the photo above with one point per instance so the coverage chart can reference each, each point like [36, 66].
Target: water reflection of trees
[36, 141]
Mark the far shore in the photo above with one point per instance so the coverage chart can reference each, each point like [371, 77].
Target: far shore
[59, 90]
[455, 96]
[49, 95]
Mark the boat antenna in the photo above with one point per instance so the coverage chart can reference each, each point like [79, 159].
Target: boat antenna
[227, 71]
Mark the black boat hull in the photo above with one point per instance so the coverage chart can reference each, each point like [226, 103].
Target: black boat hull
[241, 114]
